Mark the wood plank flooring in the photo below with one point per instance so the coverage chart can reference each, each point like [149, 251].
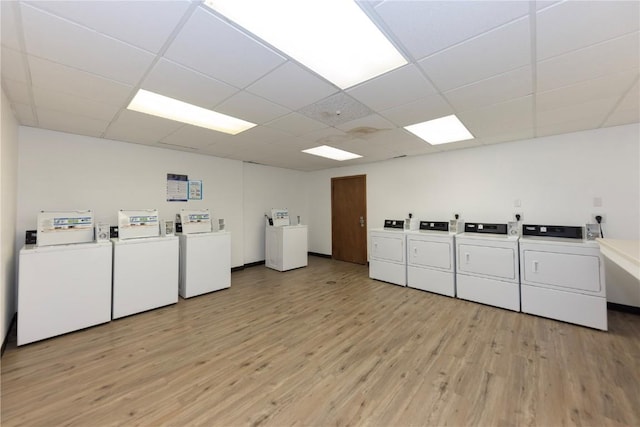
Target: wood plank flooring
[325, 345]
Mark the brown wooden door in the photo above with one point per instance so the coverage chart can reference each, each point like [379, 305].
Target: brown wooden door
[349, 218]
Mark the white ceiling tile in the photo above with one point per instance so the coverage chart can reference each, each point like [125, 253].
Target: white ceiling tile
[296, 124]
[623, 117]
[504, 49]
[542, 4]
[145, 24]
[565, 127]
[609, 86]
[54, 76]
[627, 110]
[519, 134]
[326, 136]
[12, 65]
[213, 47]
[193, 137]
[457, 145]
[251, 108]
[589, 63]
[366, 125]
[431, 107]
[594, 110]
[497, 119]
[292, 86]
[9, 25]
[572, 25]
[24, 114]
[82, 48]
[170, 79]
[500, 88]
[140, 128]
[71, 123]
[393, 89]
[17, 92]
[632, 98]
[260, 135]
[426, 27]
[67, 103]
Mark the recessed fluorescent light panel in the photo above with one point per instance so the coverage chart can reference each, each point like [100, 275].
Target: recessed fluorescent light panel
[172, 109]
[334, 38]
[441, 131]
[331, 153]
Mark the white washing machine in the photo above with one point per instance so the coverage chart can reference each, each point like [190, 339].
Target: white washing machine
[563, 275]
[431, 258]
[205, 263]
[63, 288]
[145, 274]
[286, 247]
[487, 265]
[387, 253]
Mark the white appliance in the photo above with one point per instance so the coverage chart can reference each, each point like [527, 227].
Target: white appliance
[145, 274]
[65, 227]
[431, 258]
[280, 217]
[286, 247]
[563, 275]
[195, 221]
[62, 289]
[205, 262]
[387, 253]
[487, 266]
[135, 224]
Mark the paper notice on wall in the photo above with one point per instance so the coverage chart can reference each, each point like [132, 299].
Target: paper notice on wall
[177, 188]
[195, 190]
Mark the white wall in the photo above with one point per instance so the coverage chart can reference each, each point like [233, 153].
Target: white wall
[59, 171]
[8, 206]
[555, 178]
[267, 187]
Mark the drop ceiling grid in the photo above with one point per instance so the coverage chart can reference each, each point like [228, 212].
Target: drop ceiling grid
[495, 64]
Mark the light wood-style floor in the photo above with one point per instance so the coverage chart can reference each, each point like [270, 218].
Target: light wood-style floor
[325, 345]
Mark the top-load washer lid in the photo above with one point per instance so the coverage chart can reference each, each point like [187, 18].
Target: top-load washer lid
[561, 231]
[485, 228]
[434, 225]
[394, 223]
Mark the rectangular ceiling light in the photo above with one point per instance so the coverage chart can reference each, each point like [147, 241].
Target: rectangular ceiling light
[172, 109]
[331, 153]
[441, 131]
[334, 38]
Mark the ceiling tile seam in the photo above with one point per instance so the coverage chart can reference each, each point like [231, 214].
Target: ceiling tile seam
[533, 28]
[620, 100]
[477, 36]
[267, 45]
[590, 46]
[370, 10]
[25, 62]
[158, 56]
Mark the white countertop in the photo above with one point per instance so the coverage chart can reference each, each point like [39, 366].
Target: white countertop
[625, 253]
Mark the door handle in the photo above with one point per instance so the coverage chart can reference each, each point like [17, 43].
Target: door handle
[466, 257]
[535, 266]
[361, 221]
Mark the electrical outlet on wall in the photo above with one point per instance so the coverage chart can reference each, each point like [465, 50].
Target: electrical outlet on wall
[593, 218]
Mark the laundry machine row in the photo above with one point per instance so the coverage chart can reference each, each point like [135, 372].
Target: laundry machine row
[415, 254]
[552, 271]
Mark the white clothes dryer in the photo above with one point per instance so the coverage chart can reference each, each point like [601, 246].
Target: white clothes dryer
[387, 253]
[487, 265]
[431, 258]
[563, 275]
